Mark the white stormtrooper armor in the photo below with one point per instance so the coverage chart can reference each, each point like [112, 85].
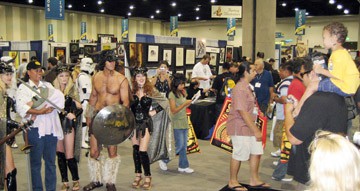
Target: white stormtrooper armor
[84, 85]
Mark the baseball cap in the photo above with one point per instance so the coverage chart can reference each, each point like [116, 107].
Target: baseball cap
[33, 65]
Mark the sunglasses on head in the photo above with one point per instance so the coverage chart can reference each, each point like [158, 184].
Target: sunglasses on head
[303, 74]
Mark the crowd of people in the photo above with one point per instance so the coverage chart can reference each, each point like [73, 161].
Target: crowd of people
[59, 105]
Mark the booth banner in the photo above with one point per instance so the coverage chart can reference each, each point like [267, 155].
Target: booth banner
[125, 28]
[192, 143]
[231, 26]
[300, 19]
[221, 11]
[50, 33]
[221, 139]
[55, 9]
[174, 26]
[83, 31]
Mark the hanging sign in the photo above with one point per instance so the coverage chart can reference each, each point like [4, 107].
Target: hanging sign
[174, 26]
[125, 28]
[300, 19]
[55, 9]
[50, 33]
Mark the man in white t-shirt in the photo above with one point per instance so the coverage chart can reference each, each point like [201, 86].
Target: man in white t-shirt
[202, 72]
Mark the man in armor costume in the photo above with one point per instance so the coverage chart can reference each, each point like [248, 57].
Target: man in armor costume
[6, 126]
[109, 87]
[84, 85]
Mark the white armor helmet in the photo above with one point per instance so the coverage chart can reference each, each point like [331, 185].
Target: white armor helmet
[6, 59]
[86, 64]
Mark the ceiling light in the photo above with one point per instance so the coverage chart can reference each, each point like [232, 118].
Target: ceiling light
[69, 6]
[179, 15]
[197, 9]
[346, 11]
[152, 16]
[283, 4]
[173, 4]
[129, 14]
[100, 2]
[131, 7]
[339, 6]
[331, 1]
[157, 11]
[197, 18]
[296, 9]
[84, 5]
[31, 1]
[306, 13]
[102, 10]
[213, 1]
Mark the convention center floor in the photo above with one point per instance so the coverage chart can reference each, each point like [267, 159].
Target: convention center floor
[211, 167]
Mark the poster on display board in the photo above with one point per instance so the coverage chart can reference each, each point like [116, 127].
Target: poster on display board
[167, 56]
[135, 54]
[74, 49]
[222, 55]
[179, 56]
[190, 56]
[153, 53]
[200, 48]
[213, 57]
[229, 53]
[24, 55]
[59, 51]
[14, 54]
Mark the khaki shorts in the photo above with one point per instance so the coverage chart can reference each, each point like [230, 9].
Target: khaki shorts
[244, 146]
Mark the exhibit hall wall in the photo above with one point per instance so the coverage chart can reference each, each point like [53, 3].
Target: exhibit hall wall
[23, 22]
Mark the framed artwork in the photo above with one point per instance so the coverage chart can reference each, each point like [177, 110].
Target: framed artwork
[153, 53]
[222, 55]
[121, 50]
[213, 57]
[24, 55]
[179, 56]
[190, 56]
[229, 53]
[74, 49]
[200, 49]
[136, 54]
[167, 55]
[58, 51]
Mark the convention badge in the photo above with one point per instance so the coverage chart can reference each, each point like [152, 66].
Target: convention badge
[255, 110]
[257, 85]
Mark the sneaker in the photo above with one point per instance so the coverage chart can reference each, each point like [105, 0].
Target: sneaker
[163, 165]
[276, 153]
[186, 170]
[285, 179]
[14, 145]
[275, 163]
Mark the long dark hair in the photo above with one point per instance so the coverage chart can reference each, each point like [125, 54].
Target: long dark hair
[176, 81]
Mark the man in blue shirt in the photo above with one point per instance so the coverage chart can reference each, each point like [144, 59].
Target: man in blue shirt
[263, 85]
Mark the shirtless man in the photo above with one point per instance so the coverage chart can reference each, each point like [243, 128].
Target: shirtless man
[109, 88]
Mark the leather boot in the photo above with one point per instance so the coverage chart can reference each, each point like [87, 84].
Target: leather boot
[11, 180]
[62, 166]
[144, 158]
[136, 157]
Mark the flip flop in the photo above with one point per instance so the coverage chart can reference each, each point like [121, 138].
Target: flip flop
[259, 186]
[234, 188]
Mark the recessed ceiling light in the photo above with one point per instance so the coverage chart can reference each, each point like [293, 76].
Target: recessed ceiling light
[129, 14]
[157, 11]
[331, 1]
[197, 9]
[197, 18]
[346, 11]
[296, 9]
[152, 16]
[179, 15]
[31, 1]
[213, 1]
[131, 7]
[173, 4]
[102, 10]
[283, 4]
[69, 6]
[84, 5]
[339, 6]
[306, 13]
[100, 2]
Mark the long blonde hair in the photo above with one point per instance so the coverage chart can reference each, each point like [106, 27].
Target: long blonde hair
[68, 86]
[334, 163]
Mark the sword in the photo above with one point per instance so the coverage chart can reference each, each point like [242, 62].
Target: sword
[46, 99]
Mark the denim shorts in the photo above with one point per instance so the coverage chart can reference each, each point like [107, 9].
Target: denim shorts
[325, 85]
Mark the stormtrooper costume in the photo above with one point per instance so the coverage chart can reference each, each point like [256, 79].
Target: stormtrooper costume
[83, 82]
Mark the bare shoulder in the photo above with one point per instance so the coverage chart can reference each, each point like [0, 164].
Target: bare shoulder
[120, 77]
[98, 75]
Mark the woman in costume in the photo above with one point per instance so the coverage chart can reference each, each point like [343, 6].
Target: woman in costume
[68, 149]
[141, 107]
[6, 127]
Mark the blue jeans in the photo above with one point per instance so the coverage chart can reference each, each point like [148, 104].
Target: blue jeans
[280, 170]
[44, 147]
[181, 138]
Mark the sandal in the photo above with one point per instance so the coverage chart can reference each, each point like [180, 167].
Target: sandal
[147, 184]
[92, 186]
[137, 181]
[65, 186]
[76, 186]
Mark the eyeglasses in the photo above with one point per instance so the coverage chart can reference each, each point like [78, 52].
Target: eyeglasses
[303, 74]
